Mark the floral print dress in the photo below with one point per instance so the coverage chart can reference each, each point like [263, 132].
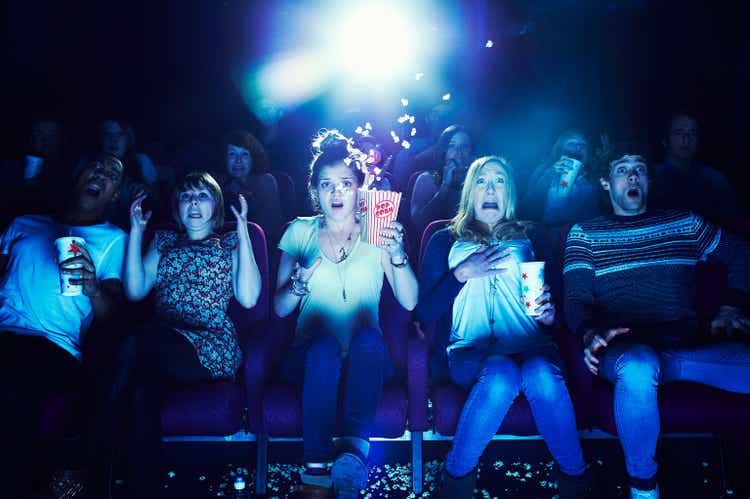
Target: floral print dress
[192, 291]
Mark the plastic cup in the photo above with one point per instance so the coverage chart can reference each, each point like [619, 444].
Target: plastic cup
[69, 247]
[33, 167]
[568, 178]
[532, 285]
[378, 210]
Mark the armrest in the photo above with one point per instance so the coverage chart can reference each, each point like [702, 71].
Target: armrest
[262, 353]
[580, 379]
[417, 381]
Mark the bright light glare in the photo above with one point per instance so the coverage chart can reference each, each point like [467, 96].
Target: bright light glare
[292, 78]
[375, 42]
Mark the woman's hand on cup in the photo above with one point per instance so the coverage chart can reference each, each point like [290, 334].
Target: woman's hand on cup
[392, 240]
[483, 262]
[139, 220]
[545, 308]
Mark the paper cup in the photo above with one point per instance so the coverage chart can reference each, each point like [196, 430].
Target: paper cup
[68, 247]
[568, 178]
[378, 210]
[532, 284]
[33, 167]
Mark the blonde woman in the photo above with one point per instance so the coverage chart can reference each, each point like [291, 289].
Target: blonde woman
[494, 349]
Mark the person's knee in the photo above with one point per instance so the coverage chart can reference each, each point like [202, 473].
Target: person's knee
[638, 368]
[368, 341]
[541, 379]
[501, 377]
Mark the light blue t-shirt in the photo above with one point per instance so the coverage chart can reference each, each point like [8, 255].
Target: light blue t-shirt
[30, 298]
[491, 307]
[359, 277]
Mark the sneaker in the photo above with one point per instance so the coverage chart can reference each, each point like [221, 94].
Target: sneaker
[349, 475]
[644, 494]
[456, 488]
[575, 487]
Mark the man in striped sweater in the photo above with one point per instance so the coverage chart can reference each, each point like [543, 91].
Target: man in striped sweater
[629, 287]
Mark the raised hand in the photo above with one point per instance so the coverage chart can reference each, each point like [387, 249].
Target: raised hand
[240, 215]
[139, 220]
[301, 276]
[605, 147]
[82, 271]
[597, 343]
[392, 240]
[546, 308]
[483, 262]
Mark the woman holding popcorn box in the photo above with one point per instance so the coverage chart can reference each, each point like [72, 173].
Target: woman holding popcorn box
[481, 270]
[332, 268]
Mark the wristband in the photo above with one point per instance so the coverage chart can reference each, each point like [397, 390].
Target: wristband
[404, 262]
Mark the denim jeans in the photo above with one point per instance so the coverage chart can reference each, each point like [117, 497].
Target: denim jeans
[317, 367]
[495, 381]
[637, 369]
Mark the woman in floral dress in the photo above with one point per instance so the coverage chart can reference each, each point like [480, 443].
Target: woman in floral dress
[193, 274]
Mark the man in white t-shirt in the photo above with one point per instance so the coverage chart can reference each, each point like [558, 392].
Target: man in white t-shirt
[41, 330]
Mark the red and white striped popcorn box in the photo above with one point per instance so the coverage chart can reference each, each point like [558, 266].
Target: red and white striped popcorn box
[378, 210]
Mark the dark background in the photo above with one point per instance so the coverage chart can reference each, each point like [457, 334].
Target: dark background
[166, 66]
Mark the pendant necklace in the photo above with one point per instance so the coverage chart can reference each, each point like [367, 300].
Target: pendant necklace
[341, 255]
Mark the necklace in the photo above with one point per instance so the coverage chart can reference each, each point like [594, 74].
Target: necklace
[341, 254]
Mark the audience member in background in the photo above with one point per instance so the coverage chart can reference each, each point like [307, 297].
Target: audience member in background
[140, 175]
[496, 350]
[335, 278]
[436, 192]
[247, 173]
[560, 190]
[39, 181]
[419, 155]
[42, 331]
[193, 273]
[629, 295]
[683, 182]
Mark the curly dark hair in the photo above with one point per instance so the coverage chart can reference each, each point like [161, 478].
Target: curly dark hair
[602, 164]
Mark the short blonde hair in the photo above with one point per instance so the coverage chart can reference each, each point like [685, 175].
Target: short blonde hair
[199, 180]
[464, 225]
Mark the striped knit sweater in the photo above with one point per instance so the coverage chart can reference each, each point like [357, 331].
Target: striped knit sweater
[640, 270]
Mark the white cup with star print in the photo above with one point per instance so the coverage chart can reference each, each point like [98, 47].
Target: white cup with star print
[532, 285]
[69, 247]
[568, 178]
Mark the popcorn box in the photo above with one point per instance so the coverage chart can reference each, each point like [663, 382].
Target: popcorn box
[378, 209]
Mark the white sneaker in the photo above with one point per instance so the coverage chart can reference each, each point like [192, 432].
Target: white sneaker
[644, 494]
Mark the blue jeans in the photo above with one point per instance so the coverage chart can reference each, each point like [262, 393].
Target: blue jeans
[317, 366]
[637, 369]
[495, 381]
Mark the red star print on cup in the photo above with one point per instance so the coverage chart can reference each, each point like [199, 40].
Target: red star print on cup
[524, 276]
[563, 184]
[74, 249]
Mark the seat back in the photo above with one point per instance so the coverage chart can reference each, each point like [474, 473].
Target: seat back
[287, 194]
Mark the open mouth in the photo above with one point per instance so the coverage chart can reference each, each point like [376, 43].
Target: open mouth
[489, 206]
[195, 215]
[337, 204]
[93, 189]
[633, 192]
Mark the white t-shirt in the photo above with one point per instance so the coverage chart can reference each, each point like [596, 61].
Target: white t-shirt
[30, 298]
[324, 310]
[491, 306]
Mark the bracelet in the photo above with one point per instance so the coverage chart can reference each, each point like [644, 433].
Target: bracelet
[403, 263]
[299, 288]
